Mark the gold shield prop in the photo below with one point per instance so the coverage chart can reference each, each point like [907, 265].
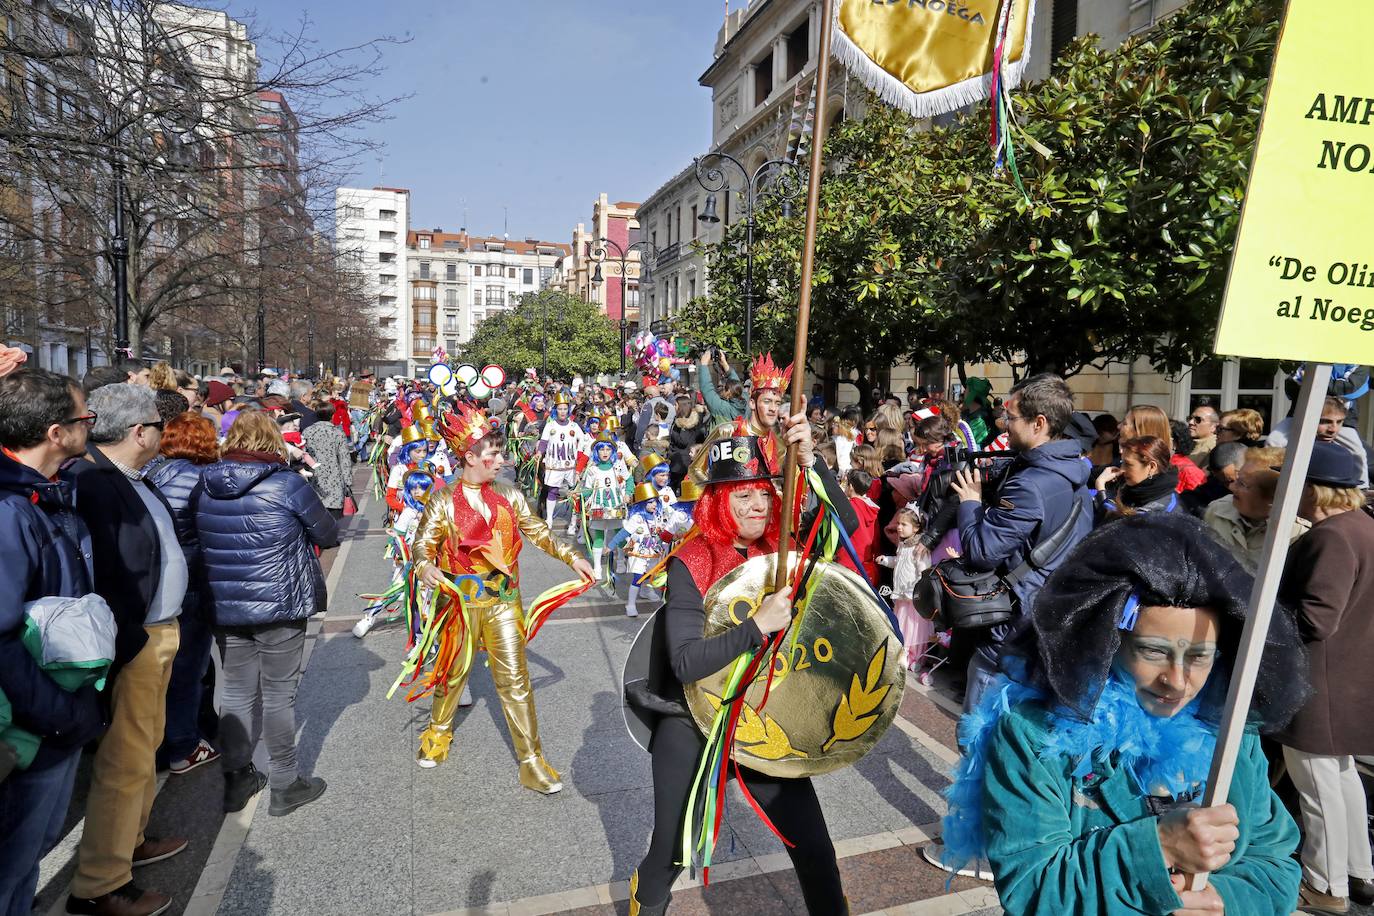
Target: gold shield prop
[837, 677]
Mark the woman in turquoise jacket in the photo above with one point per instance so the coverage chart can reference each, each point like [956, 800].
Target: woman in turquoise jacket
[1084, 766]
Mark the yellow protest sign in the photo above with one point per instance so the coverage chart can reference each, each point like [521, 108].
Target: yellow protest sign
[1302, 276]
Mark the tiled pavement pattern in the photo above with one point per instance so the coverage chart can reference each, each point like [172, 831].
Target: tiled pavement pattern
[389, 838]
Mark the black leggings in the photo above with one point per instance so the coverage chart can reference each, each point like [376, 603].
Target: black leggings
[790, 803]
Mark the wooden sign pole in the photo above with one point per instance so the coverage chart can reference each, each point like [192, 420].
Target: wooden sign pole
[1315, 378]
[791, 473]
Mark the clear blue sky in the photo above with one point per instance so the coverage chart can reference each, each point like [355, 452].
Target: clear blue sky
[538, 105]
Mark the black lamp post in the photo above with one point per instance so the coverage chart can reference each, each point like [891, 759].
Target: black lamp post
[119, 266]
[262, 330]
[711, 176]
[601, 252]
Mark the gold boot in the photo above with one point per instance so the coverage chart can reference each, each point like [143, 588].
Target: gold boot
[640, 909]
[537, 775]
[434, 744]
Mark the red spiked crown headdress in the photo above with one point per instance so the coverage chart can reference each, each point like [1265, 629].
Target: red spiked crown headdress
[765, 374]
[462, 428]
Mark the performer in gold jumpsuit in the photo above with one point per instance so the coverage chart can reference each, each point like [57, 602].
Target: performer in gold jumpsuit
[476, 528]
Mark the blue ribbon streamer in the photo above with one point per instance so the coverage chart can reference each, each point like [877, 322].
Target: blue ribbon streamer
[848, 546]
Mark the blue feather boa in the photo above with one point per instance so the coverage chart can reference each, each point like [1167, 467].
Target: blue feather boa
[1172, 755]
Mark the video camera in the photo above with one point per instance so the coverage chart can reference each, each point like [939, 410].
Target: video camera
[958, 456]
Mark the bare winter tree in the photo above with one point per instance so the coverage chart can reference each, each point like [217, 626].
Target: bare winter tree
[222, 144]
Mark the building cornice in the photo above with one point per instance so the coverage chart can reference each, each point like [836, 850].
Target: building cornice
[668, 188]
[728, 48]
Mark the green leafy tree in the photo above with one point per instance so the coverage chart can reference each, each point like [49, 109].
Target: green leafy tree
[1122, 251]
[877, 262]
[580, 338]
[1118, 250]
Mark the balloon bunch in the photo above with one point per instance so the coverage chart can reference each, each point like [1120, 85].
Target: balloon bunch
[654, 356]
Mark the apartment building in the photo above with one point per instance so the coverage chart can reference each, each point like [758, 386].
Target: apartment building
[455, 280]
[619, 224]
[282, 196]
[372, 225]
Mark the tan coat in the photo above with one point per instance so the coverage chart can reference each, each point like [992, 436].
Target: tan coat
[1202, 448]
[1244, 538]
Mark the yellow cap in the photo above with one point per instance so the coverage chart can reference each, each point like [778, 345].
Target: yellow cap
[644, 493]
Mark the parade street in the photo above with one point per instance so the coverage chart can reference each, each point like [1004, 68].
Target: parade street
[391, 838]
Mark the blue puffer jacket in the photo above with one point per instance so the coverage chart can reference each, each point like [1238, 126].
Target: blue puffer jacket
[178, 478]
[257, 523]
[1034, 500]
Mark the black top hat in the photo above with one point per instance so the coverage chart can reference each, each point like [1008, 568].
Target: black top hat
[736, 459]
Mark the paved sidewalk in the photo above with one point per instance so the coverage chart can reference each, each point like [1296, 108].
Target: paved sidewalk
[390, 838]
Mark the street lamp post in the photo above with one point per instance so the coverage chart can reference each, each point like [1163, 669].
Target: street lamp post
[710, 173]
[119, 266]
[601, 252]
[262, 331]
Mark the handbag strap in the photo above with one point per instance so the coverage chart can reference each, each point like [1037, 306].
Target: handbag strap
[1045, 552]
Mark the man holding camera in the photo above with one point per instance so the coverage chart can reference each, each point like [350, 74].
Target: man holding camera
[1033, 501]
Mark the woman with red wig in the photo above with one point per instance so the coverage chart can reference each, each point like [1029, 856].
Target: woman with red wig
[189, 446]
[737, 518]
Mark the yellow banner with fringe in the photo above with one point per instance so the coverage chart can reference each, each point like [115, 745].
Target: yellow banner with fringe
[929, 57]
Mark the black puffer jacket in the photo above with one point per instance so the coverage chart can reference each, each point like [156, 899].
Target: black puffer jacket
[178, 478]
[685, 433]
[258, 524]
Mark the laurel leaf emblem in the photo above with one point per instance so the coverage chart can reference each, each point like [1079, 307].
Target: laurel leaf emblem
[858, 709]
[761, 736]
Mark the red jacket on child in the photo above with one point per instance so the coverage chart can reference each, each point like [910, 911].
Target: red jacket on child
[864, 538]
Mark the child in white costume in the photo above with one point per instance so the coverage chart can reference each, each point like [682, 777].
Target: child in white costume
[560, 444]
[907, 568]
[648, 535]
[606, 488]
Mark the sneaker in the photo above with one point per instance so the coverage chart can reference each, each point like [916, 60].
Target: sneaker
[361, 628]
[202, 755]
[129, 900]
[934, 853]
[631, 611]
[1314, 901]
[301, 792]
[1362, 891]
[153, 850]
[240, 786]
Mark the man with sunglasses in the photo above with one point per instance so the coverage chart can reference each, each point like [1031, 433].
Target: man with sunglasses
[46, 550]
[141, 572]
[1202, 426]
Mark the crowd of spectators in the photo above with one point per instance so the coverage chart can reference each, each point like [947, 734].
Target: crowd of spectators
[155, 515]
